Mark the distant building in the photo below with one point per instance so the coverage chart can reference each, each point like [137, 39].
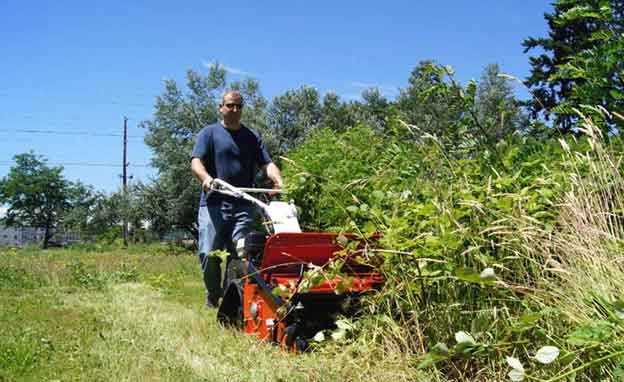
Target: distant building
[19, 236]
[10, 236]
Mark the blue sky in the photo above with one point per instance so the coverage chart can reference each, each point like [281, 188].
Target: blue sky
[80, 67]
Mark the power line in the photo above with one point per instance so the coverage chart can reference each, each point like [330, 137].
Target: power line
[60, 132]
[83, 164]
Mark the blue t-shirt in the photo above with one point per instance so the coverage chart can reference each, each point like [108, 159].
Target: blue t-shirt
[233, 156]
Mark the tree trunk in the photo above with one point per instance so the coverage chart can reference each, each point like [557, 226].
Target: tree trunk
[46, 236]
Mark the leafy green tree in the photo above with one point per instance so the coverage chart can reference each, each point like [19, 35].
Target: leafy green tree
[497, 110]
[336, 114]
[179, 115]
[373, 110]
[582, 61]
[157, 209]
[432, 102]
[85, 204]
[466, 120]
[37, 195]
[293, 115]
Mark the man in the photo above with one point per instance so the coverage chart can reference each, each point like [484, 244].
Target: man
[229, 151]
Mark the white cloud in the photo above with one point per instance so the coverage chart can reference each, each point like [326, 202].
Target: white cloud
[228, 69]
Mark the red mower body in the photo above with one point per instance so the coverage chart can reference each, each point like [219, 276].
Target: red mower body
[251, 301]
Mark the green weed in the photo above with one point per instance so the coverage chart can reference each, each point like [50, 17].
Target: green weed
[86, 276]
[13, 277]
[21, 350]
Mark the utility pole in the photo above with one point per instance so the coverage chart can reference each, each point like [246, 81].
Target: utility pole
[125, 181]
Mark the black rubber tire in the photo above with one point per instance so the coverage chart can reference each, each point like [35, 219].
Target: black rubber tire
[292, 341]
[289, 336]
[230, 311]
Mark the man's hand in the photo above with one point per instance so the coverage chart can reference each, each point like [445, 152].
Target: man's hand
[273, 173]
[207, 184]
[277, 186]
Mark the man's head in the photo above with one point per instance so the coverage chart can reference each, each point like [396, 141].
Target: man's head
[231, 107]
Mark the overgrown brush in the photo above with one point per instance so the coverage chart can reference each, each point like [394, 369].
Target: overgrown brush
[477, 257]
[584, 260]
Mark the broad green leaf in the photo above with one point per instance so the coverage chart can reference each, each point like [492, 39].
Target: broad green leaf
[342, 240]
[353, 209]
[469, 275]
[440, 348]
[430, 359]
[377, 195]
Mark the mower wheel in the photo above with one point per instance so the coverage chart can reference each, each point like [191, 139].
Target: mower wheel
[291, 341]
[230, 312]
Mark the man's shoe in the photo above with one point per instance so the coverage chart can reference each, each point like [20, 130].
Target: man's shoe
[212, 302]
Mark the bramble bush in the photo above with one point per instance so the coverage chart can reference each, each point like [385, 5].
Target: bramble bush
[466, 245]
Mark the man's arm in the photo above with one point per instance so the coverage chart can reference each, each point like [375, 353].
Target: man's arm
[198, 169]
[273, 173]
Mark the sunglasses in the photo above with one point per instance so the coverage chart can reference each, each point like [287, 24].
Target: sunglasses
[233, 105]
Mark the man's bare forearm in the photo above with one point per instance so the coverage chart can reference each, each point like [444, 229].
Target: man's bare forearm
[199, 171]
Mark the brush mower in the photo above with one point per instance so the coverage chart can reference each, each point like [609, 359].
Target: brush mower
[278, 287]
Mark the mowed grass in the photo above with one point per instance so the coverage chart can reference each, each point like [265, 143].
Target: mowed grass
[138, 315]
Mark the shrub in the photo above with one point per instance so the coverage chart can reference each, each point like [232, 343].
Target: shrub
[462, 246]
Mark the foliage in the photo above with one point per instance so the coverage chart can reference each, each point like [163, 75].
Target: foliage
[171, 200]
[432, 102]
[336, 114]
[497, 110]
[581, 63]
[13, 277]
[88, 214]
[465, 120]
[37, 195]
[462, 245]
[293, 115]
[177, 118]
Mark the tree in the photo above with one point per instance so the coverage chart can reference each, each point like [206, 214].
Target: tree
[433, 102]
[335, 114]
[85, 204]
[498, 112]
[37, 195]
[582, 61]
[170, 134]
[373, 110]
[293, 115]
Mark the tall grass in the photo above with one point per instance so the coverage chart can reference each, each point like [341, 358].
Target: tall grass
[485, 263]
[584, 260]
